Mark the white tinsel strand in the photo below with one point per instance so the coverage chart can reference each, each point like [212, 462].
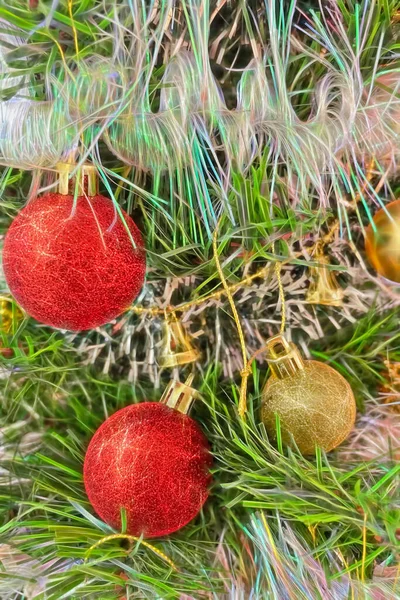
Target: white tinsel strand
[349, 121]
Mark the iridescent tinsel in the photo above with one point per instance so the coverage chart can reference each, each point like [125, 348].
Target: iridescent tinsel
[194, 133]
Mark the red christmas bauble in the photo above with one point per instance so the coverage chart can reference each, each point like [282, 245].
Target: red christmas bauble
[152, 461]
[72, 264]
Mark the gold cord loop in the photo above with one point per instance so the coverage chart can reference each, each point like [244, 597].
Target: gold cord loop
[246, 371]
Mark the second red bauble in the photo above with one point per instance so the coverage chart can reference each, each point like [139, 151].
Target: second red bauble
[151, 461]
[71, 263]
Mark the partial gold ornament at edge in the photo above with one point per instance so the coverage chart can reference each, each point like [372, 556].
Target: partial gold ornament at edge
[10, 314]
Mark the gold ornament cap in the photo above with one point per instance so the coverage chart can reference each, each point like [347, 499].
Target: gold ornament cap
[179, 396]
[283, 357]
[176, 346]
[85, 177]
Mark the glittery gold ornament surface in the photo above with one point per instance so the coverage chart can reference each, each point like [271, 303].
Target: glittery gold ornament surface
[315, 404]
[382, 243]
[10, 315]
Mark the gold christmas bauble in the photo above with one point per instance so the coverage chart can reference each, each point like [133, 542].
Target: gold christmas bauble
[315, 404]
[382, 242]
[10, 315]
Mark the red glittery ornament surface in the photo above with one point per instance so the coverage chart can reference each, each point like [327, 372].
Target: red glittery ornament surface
[71, 264]
[152, 461]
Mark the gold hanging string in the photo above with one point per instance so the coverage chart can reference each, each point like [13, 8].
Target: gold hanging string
[328, 237]
[76, 44]
[278, 269]
[73, 27]
[261, 273]
[246, 371]
[155, 311]
[131, 538]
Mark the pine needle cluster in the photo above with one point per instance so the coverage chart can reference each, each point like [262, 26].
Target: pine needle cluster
[277, 525]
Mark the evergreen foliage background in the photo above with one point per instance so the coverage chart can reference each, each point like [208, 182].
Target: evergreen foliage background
[277, 525]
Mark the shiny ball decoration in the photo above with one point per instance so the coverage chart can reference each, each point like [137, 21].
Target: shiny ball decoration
[315, 404]
[71, 263]
[382, 242]
[152, 462]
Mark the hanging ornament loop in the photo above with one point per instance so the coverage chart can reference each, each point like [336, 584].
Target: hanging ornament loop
[246, 368]
[246, 371]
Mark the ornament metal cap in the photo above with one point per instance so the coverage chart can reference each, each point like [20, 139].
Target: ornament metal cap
[324, 288]
[179, 395]
[283, 357]
[85, 176]
[176, 347]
